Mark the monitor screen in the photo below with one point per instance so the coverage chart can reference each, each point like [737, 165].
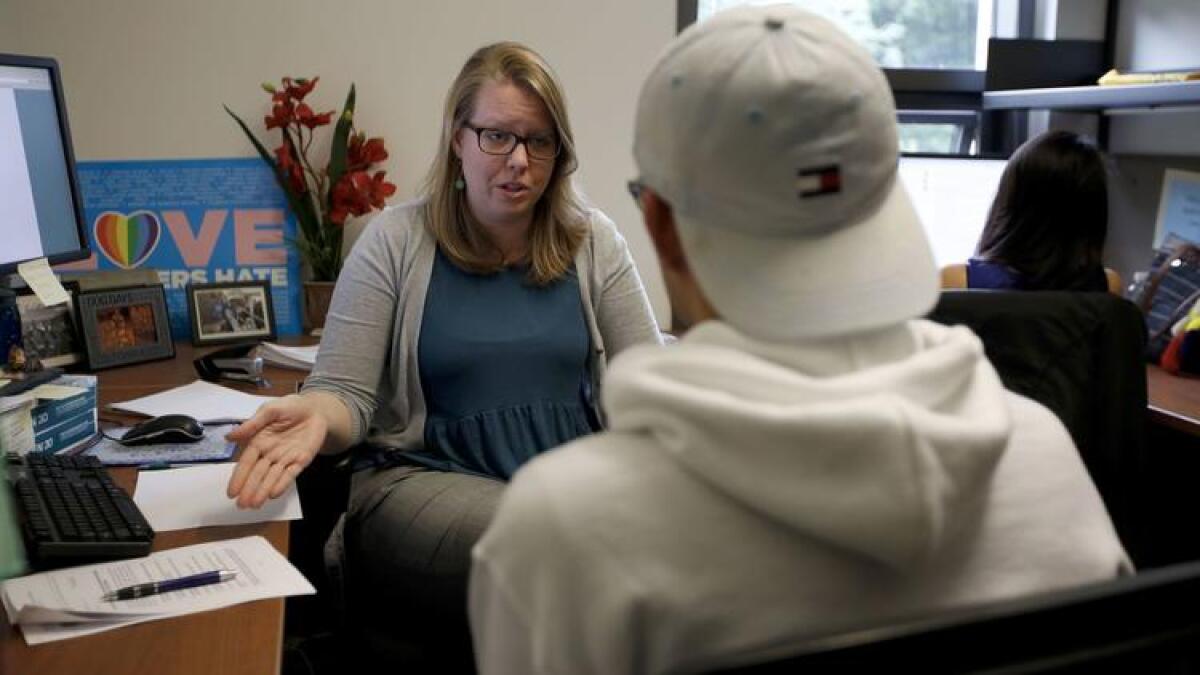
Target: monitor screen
[12, 553]
[952, 196]
[41, 214]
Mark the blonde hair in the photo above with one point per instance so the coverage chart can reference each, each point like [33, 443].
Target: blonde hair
[559, 218]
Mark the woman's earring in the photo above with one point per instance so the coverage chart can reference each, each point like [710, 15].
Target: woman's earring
[459, 183]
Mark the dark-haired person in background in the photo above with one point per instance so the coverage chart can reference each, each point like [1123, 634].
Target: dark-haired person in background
[1045, 230]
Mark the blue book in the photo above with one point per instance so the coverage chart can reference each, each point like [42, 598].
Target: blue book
[51, 412]
[65, 434]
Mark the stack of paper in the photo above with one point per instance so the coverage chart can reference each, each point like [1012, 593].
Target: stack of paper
[297, 358]
[207, 402]
[67, 603]
[16, 423]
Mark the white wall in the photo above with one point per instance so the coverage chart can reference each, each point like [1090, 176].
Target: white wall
[1151, 34]
[1157, 35]
[145, 79]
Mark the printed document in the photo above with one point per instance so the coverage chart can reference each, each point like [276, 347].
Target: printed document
[67, 603]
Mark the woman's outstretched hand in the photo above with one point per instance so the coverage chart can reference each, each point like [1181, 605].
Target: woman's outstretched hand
[277, 444]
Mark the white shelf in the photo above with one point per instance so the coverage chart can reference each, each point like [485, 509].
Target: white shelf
[1160, 95]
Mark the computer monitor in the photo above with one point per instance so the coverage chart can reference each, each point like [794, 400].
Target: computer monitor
[41, 212]
[952, 195]
[12, 552]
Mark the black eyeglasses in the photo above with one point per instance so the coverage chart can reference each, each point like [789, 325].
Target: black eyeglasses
[635, 187]
[501, 142]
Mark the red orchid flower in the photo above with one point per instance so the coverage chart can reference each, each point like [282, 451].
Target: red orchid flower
[362, 153]
[321, 209]
[358, 194]
[301, 87]
[282, 114]
[347, 199]
[291, 169]
[305, 116]
[380, 190]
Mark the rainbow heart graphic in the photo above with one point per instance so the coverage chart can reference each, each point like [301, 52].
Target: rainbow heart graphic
[127, 240]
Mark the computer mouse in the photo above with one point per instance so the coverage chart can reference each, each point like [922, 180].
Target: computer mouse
[165, 429]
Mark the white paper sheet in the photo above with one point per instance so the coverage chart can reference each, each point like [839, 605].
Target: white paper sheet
[41, 279]
[298, 358]
[205, 401]
[194, 496]
[55, 392]
[75, 593]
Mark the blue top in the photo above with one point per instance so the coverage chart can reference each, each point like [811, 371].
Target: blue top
[995, 276]
[503, 368]
[985, 274]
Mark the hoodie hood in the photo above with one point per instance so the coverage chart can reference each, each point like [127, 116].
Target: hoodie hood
[877, 443]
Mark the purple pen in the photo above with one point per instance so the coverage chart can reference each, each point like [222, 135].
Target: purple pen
[156, 587]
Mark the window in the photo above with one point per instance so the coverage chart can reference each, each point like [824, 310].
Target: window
[939, 132]
[901, 33]
[934, 53]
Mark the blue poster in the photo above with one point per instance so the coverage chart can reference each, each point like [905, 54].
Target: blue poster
[193, 221]
[1178, 207]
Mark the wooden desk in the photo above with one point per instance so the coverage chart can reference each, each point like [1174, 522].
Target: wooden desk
[1174, 401]
[246, 638]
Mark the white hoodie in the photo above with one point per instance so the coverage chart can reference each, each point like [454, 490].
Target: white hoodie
[750, 496]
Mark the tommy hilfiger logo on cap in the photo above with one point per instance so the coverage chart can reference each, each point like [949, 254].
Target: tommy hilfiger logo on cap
[823, 180]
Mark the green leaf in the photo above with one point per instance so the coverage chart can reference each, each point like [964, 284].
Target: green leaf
[262, 151]
[339, 143]
[308, 214]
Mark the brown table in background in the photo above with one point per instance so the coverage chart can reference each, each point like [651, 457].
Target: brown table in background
[1174, 401]
[1172, 464]
[246, 638]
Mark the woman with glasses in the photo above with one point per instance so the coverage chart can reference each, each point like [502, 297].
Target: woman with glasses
[468, 332]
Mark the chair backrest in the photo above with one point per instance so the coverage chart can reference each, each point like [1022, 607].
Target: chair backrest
[1148, 623]
[1081, 355]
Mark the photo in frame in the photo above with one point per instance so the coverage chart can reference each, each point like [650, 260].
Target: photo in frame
[122, 326]
[236, 311]
[50, 333]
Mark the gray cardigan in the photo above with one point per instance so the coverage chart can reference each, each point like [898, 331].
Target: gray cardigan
[368, 353]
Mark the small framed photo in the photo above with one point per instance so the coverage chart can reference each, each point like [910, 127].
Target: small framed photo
[236, 311]
[50, 333]
[121, 326]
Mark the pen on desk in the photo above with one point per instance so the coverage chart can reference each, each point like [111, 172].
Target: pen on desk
[156, 587]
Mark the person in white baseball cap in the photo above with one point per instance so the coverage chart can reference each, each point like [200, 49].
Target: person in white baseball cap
[812, 456]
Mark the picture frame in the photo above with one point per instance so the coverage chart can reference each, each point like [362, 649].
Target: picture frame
[234, 311]
[51, 333]
[122, 326]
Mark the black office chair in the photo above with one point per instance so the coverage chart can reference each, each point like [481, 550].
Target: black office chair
[1081, 355]
[1148, 623]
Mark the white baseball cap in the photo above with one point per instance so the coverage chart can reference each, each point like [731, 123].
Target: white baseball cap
[773, 137]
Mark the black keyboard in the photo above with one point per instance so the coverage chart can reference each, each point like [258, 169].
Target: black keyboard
[72, 512]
